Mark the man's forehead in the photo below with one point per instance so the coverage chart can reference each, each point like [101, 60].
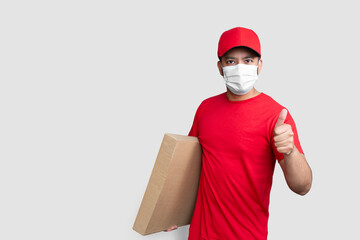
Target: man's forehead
[235, 57]
[242, 52]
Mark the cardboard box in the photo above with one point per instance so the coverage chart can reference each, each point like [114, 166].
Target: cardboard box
[171, 192]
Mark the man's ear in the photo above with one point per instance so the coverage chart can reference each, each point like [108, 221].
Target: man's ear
[259, 66]
[220, 68]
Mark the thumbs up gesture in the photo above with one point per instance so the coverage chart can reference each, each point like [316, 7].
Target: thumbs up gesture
[283, 135]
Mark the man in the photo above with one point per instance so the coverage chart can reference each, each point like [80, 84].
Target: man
[242, 133]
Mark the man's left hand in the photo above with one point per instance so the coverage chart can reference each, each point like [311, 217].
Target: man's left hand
[283, 135]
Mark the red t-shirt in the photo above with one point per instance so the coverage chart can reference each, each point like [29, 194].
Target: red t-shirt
[238, 162]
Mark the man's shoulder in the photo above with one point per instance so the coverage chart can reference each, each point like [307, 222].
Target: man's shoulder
[210, 101]
[274, 108]
[214, 98]
[271, 101]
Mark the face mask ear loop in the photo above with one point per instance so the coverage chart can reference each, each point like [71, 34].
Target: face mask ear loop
[257, 68]
[222, 68]
[221, 65]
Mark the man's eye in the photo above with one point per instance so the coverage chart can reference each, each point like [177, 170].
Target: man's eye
[230, 61]
[248, 60]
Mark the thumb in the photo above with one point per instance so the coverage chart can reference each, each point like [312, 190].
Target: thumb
[281, 118]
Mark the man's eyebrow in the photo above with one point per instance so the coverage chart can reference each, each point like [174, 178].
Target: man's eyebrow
[230, 57]
[248, 57]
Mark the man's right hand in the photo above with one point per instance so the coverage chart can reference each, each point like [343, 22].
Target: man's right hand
[171, 228]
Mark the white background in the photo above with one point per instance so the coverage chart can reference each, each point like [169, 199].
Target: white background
[88, 88]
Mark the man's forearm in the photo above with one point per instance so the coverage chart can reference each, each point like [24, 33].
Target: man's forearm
[298, 174]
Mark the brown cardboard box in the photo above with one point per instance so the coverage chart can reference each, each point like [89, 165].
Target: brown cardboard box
[171, 192]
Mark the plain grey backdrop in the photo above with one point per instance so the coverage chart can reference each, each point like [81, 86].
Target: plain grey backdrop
[88, 88]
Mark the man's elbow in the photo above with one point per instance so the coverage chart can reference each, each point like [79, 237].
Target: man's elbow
[303, 190]
[303, 193]
[302, 187]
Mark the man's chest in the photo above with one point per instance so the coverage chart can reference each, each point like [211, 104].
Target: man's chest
[234, 131]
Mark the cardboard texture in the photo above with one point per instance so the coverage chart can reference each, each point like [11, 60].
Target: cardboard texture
[171, 192]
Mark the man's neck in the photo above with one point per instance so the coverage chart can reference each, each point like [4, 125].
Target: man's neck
[233, 97]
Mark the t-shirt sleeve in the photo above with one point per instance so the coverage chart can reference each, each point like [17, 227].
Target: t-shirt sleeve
[194, 131]
[288, 120]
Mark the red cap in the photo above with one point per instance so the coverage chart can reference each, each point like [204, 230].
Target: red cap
[238, 37]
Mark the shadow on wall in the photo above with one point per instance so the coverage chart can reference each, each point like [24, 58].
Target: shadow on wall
[182, 233]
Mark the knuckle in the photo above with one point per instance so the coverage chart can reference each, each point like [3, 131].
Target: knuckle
[277, 131]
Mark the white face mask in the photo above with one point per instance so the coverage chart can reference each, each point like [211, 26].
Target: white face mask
[240, 78]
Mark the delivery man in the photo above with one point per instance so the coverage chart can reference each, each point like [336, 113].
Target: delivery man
[243, 132]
